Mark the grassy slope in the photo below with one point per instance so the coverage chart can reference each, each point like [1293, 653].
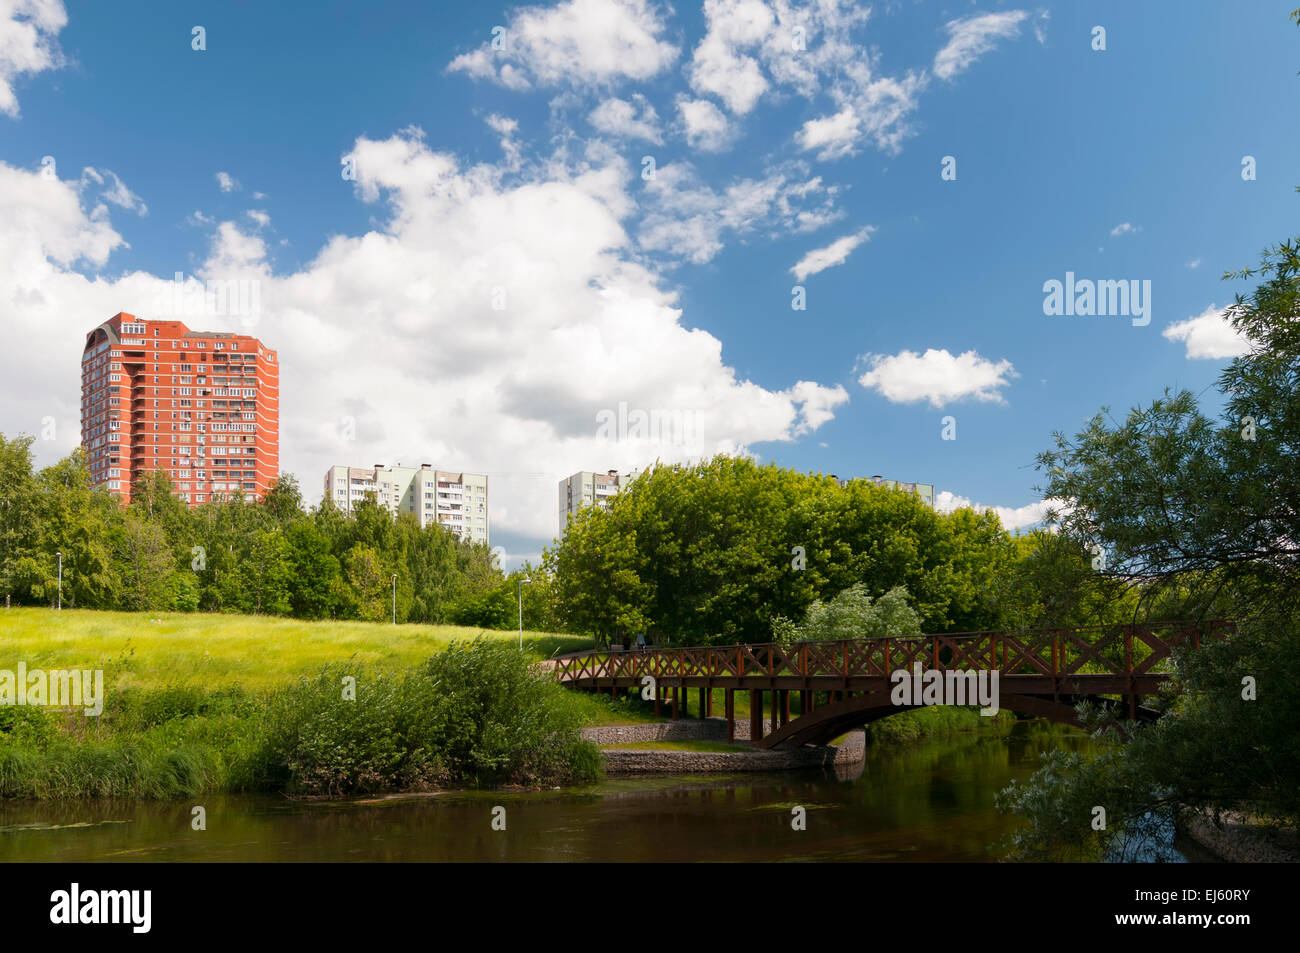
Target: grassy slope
[256, 652]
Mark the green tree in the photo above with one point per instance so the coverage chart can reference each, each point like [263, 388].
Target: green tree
[853, 614]
[1208, 514]
[146, 562]
[315, 574]
[369, 582]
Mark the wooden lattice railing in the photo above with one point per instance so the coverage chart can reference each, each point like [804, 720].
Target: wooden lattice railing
[1125, 649]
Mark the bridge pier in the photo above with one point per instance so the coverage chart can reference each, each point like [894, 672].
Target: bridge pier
[755, 716]
[729, 703]
[704, 702]
[676, 692]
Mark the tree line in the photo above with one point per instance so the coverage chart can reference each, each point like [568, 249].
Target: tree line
[729, 551]
[270, 556]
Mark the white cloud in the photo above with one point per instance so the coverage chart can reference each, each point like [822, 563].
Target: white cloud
[407, 308]
[834, 135]
[1040, 26]
[227, 183]
[580, 42]
[722, 63]
[629, 120]
[686, 218]
[936, 376]
[753, 49]
[1193, 264]
[971, 37]
[28, 44]
[816, 404]
[706, 126]
[1124, 228]
[1208, 335]
[259, 216]
[836, 253]
[115, 191]
[1016, 517]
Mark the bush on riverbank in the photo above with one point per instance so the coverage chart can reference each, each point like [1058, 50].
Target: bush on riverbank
[474, 715]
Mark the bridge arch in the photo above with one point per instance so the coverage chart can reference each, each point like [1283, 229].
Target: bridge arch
[827, 722]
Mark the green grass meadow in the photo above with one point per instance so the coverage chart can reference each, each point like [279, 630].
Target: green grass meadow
[156, 650]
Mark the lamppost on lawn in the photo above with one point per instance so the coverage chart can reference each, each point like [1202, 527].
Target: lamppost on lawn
[60, 555]
[522, 580]
[394, 598]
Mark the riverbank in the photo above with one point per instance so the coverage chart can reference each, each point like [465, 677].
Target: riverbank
[1238, 839]
[648, 760]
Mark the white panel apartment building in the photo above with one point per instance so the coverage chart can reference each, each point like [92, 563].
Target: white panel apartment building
[588, 488]
[450, 498]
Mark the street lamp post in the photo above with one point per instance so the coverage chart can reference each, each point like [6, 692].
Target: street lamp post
[60, 555]
[394, 598]
[522, 580]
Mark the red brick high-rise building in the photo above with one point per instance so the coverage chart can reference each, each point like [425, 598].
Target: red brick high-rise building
[203, 406]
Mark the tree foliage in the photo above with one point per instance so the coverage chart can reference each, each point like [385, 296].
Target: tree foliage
[271, 556]
[1206, 513]
[715, 553]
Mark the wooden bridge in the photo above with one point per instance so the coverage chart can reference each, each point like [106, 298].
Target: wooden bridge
[845, 684]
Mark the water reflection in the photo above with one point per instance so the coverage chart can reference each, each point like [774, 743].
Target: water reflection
[930, 801]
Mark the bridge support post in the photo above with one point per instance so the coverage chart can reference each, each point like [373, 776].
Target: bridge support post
[776, 709]
[785, 706]
[676, 691]
[658, 693]
[755, 716]
[704, 702]
[804, 698]
[729, 703]
[708, 701]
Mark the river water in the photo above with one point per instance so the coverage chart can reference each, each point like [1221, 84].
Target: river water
[928, 801]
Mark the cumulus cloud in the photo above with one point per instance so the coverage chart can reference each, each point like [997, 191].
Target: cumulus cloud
[723, 63]
[936, 376]
[1208, 335]
[836, 253]
[629, 120]
[972, 36]
[1125, 228]
[705, 125]
[227, 183]
[834, 135]
[1012, 517]
[29, 32]
[581, 42]
[459, 348]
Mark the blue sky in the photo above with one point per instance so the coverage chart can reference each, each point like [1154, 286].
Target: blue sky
[521, 169]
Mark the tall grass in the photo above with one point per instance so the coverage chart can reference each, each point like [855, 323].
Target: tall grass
[474, 714]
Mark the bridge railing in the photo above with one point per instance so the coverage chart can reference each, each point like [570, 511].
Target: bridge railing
[1120, 649]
